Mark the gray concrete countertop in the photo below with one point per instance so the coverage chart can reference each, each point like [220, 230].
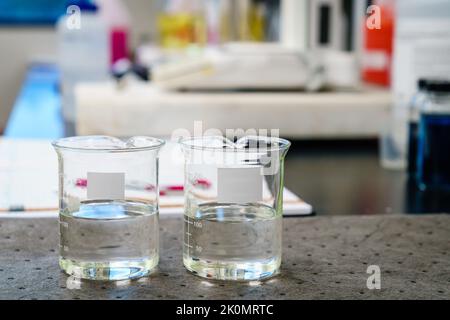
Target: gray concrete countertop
[323, 258]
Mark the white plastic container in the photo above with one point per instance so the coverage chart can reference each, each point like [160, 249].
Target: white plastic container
[84, 53]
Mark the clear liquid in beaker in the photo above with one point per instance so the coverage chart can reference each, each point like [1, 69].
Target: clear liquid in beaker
[232, 242]
[109, 240]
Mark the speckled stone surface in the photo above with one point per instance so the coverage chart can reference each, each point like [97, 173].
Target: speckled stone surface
[323, 258]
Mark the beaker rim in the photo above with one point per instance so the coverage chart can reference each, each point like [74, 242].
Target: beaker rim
[94, 144]
[272, 144]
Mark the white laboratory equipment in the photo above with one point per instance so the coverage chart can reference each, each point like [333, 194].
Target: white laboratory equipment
[84, 52]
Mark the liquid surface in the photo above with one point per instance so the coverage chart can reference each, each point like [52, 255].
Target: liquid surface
[238, 242]
[109, 240]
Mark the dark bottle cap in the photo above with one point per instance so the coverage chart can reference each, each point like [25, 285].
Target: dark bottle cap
[421, 84]
[438, 86]
[84, 5]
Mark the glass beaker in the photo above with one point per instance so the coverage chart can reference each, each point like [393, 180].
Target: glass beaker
[108, 206]
[233, 206]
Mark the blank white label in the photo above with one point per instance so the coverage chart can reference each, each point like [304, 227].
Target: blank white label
[239, 185]
[106, 185]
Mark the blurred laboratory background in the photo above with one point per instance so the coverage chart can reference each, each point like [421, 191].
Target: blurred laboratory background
[360, 87]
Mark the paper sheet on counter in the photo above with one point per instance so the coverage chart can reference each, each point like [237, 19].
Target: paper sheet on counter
[29, 178]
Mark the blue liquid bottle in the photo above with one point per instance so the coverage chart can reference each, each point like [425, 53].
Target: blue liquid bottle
[433, 154]
[413, 127]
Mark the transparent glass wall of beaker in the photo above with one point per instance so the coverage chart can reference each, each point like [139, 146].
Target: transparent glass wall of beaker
[233, 206]
[108, 202]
